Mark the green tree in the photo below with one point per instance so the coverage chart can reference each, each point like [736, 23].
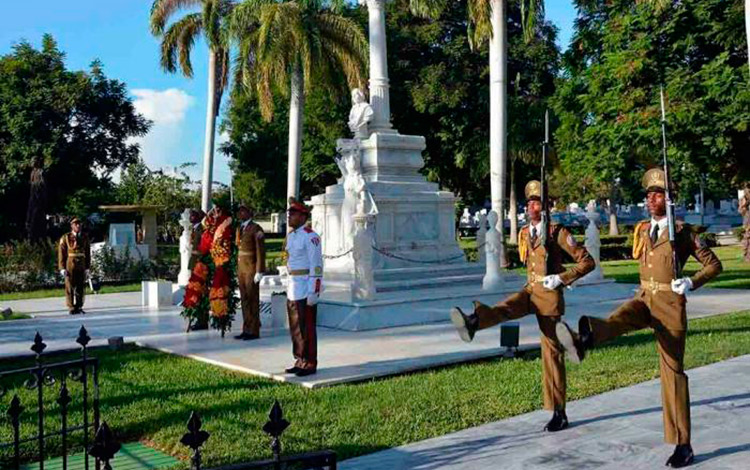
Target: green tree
[176, 47]
[608, 99]
[293, 47]
[61, 132]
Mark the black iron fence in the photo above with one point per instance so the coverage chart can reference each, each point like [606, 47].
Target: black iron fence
[196, 437]
[55, 378]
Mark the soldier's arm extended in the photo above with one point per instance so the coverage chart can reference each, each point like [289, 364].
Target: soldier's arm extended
[260, 245]
[584, 262]
[62, 253]
[711, 265]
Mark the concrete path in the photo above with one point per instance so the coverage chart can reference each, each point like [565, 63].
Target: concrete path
[344, 356]
[615, 430]
[56, 305]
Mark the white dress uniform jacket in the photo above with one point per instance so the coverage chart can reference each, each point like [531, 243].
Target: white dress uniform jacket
[304, 264]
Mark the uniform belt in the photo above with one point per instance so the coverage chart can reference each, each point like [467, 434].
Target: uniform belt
[535, 278]
[299, 272]
[655, 286]
[76, 255]
[246, 253]
[196, 252]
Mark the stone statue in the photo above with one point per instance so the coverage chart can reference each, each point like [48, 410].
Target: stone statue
[360, 115]
[186, 248]
[493, 245]
[362, 254]
[593, 243]
[744, 208]
[481, 218]
[698, 204]
[354, 192]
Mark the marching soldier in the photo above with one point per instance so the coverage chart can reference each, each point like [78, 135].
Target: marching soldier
[542, 295]
[74, 262]
[660, 305]
[251, 263]
[304, 262]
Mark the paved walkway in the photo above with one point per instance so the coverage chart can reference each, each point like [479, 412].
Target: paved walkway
[615, 430]
[344, 356]
[56, 305]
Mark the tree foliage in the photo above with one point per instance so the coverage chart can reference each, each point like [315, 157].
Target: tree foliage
[608, 99]
[76, 126]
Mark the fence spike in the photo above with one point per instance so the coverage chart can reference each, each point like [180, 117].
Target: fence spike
[38, 347]
[83, 337]
[105, 446]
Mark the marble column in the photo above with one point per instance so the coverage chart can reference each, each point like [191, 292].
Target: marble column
[498, 116]
[379, 84]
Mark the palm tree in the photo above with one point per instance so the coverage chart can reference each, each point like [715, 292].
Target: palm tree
[176, 46]
[291, 47]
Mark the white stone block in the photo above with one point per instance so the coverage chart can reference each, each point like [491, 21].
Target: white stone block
[178, 294]
[156, 294]
[279, 318]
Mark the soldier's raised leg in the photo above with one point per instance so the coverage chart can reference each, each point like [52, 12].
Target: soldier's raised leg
[485, 316]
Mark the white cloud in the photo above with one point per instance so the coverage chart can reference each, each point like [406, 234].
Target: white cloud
[162, 107]
[167, 109]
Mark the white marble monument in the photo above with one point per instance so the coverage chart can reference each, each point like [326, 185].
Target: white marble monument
[593, 245]
[493, 277]
[414, 246]
[186, 249]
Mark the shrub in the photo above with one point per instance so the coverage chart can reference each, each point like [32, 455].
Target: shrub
[25, 265]
[739, 232]
[107, 265]
[710, 239]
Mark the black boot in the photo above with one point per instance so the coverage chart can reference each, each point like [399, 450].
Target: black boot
[466, 325]
[575, 344]
[558, 422]
[682, 456]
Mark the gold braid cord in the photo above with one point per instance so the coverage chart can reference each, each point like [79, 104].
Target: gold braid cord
[638, 242]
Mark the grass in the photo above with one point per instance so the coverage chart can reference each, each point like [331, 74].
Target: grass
[60, 292]
[15, 316]
[148, 396]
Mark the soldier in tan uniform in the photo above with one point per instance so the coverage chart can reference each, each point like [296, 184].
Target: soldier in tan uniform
[74, 262]
[251, 263]
[660, 305]
[542, 296]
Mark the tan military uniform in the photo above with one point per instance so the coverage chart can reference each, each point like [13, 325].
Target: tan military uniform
[250, 260]
[655, 305]
[547, 305]
[74, 255]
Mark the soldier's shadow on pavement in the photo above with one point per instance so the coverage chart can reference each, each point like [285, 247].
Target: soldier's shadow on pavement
[724, 451]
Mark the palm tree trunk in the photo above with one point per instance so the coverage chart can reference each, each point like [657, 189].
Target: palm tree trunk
[747, 29]
[512, 210]
[498, 116]
[208, 152]
[296, 107]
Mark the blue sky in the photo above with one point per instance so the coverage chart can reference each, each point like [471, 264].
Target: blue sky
[116, 32]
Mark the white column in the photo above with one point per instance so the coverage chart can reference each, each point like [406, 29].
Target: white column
[296, 106]
[379, 93]
[208, 152]
[498, 113]
[747, 29]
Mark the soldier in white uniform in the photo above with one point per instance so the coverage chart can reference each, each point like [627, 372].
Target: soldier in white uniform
[304, 262]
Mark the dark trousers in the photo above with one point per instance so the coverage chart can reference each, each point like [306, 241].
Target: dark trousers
[302, 319]
[75, 283]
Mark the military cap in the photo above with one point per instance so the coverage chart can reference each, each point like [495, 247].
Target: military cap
[653, 180]
[297, 206]
[75, 220]
[533, 191]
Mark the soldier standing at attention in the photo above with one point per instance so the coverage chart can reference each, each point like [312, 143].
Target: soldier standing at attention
[74, 262]
[660, 305]
[541, 295]
[251, 263]
[305, 267]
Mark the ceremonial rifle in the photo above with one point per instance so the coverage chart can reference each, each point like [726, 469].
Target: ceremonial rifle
[544, 195]
[668, 190]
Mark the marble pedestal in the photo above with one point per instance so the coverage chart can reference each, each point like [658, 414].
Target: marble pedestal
[416, 255]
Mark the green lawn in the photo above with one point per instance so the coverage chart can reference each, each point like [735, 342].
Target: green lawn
[147, 395]
[60, 292]
[15, 316]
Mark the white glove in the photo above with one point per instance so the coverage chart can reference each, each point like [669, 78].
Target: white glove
[88, 274]
[312, 299]
[257, 278]
[63, 272]
[551, 282]
[680, 286]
